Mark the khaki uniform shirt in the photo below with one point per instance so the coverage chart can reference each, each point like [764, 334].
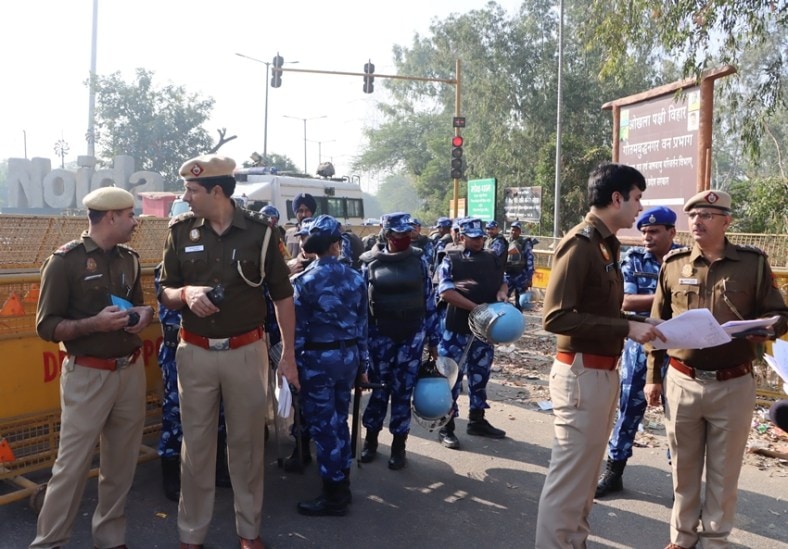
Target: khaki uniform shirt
[194, 255]
[292, 241]
[77, 281]
[583, 299]
[688, 281]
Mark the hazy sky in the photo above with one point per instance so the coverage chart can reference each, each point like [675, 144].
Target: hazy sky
[45, 51]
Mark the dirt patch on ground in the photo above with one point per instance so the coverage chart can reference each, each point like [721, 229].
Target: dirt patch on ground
[524, 366]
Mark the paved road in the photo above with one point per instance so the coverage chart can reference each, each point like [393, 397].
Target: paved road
[483, 496]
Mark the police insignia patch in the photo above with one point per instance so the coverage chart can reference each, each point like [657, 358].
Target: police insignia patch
[196, 170]
[605, 251]
[687, 270]
[194, 235]
[652, 218]
[711, 198]
[90, 265]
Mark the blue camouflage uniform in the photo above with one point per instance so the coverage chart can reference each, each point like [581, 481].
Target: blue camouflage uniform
[395, 363]
[330, 346]
[497, 244]
[478, 361]
[520, 282]
[171, 433]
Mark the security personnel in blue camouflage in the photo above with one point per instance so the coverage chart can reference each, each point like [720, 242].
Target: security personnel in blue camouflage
[421, 241]
[331, 348]
[519, 262]
[640, 268]
[401, 315]
[467, 278]
[495, 241]
[440, 238]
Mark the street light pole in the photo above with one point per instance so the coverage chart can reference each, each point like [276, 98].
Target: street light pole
[306, 170]
[267, 85]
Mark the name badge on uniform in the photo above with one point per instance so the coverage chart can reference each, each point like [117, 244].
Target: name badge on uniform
[689, 281]
[190, 249]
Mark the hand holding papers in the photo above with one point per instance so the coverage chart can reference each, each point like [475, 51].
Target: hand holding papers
[693, 329]
[698, 329]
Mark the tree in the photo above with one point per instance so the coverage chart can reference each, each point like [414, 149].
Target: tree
[159, 127]
[701, 34]
[280, 162]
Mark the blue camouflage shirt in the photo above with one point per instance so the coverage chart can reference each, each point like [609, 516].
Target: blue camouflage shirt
[641, 272]
[331, 304]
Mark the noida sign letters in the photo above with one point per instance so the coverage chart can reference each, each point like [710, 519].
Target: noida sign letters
[34, 185]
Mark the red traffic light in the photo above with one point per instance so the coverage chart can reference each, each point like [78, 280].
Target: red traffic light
[456, 141]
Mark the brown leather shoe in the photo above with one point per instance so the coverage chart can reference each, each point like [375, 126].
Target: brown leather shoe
[191, 545]
[675, 546]
[256, 543]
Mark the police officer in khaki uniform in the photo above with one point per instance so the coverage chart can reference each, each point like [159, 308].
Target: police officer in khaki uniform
[91, 301]
[710, 393]
[304, 206]
[583, 306]
[222, 354]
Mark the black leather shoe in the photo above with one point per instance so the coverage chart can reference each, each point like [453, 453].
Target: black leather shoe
[332, 502]
[449, 439]
[171, 477]
[398, 458]
[295, 465]
[482, 428]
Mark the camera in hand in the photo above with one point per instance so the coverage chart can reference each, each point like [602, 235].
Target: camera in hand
[134, 318]
[216, 295]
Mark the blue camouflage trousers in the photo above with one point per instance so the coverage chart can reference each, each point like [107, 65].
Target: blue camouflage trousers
[327, 378]
[632, 401]
[477, 367]
[396, 365]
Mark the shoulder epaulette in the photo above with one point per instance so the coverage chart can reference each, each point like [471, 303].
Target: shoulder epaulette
[586, 232]
[129, 249]
[676, 252]
[749, 248]
[259, 217]
[67, 247]
[180, 218]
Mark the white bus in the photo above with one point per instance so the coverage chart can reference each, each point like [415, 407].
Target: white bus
[339, 198]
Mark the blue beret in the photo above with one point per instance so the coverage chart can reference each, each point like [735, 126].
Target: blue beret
[471, 227]
[492, 224]
[399, 222]
[325, 225]
[656, 216]
[444, 222]
[303, 229]
[270, 211]
[307, 200]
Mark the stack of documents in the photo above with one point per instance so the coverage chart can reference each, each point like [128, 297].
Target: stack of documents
[698, 329]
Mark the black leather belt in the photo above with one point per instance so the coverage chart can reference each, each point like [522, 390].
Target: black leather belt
[329, 345]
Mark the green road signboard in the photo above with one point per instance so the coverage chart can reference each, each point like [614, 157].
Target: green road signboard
[481, 198]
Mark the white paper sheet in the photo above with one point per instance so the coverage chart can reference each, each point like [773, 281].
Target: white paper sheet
[693, 329]
[779, 362]
[284, 398]
[734, 327]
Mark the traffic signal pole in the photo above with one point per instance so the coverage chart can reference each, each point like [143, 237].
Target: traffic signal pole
[277, 71]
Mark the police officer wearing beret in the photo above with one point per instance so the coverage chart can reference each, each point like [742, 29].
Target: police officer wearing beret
[91, 301]
[331, 347]
[402, 317]
[710, 393]
[583, 306]
[640, 268]
[222, 355]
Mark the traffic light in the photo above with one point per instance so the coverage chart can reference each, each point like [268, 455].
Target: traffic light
[457, 163]
[276, 73]
[369, 79]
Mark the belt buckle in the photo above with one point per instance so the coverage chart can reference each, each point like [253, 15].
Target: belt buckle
[706, 375]
[219, 344]
[122, 362]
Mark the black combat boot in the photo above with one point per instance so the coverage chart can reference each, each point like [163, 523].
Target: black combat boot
[611, 480]
[370, 449]
[171, 477]
[398, 460]
[447, 436]
[295, 465]
[222, 470]
[346, 472]
[480, 427]
[332, 502]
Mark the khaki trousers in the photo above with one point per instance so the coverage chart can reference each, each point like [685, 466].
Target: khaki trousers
[707, 423]
[238, 378]
[584, 405]
[95, 404]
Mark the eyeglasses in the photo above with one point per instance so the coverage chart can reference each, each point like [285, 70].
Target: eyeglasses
[703, 216]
